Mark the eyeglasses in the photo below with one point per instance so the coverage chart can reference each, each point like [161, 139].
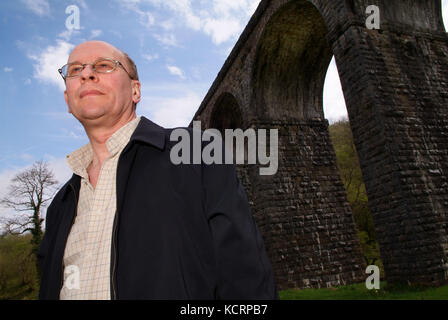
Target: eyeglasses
[102, 65]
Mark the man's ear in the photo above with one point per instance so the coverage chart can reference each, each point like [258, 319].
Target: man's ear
[136, 94]
[66, 101]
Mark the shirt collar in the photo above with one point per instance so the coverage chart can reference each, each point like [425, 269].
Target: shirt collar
[147, 132]
[80, 159]
[121, 137]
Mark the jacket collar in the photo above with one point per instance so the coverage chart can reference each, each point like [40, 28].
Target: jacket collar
[146, 131]
[75, 181]
[149, 132]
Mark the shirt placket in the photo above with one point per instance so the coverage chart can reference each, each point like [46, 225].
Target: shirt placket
[98, 226]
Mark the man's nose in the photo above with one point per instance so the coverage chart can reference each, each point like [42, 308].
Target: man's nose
[88, 73]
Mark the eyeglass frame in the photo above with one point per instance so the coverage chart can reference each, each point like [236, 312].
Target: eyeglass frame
[117, 63]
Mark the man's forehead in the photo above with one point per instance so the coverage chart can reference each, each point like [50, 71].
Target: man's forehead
[94, 49]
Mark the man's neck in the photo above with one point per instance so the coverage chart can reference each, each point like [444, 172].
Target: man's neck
[98, 137]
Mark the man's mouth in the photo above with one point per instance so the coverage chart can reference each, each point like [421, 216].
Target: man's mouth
[89, 93]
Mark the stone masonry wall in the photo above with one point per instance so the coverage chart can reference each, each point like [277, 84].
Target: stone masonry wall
[396, 94]
[395, 86]
[302, 211]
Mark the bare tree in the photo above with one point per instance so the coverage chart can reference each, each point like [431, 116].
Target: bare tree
[29, 192]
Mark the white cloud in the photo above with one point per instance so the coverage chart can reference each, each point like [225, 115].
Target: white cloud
[150, 57]
[66, 34]
[82, 3]
[173, 112]
[95, 33]
[129, 4]
[168, 40]
[8, 69]
[171, 104]
[222, 20]
[184, 9]
[167, 25]
[221, 30]
[176, 71]
[229, 7]
[60, 168]
[146, 18]
[49, 61]
[5, 179]
[228, 19]
[334, 102]
[39, 7]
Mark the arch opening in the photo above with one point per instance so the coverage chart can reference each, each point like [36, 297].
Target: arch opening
[291, 63]
[226, 114]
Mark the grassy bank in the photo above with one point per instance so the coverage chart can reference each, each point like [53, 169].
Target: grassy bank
[360, 292]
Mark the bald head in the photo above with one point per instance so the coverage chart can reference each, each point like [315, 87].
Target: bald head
[101, 46]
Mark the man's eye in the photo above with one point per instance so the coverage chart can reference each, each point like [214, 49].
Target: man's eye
[103, 66]
[75, 69]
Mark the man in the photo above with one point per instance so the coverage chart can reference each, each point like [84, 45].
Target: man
[130, 224]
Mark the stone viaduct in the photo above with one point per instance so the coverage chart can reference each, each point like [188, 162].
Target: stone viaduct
[395, 87]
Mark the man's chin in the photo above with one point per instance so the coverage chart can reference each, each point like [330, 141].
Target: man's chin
[90, 116]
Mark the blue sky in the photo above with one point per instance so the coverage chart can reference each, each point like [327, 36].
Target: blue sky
[179, 47]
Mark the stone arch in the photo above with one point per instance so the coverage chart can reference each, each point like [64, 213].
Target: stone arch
[226, 113]
[308, 218]
[393, 81]
[291, 62]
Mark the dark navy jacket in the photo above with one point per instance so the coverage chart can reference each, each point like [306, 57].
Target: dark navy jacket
[180, 231]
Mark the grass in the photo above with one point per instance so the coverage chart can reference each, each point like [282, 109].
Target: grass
[360, 292]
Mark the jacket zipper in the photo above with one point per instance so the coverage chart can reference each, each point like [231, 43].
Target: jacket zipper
[114, 242]
[73, 221]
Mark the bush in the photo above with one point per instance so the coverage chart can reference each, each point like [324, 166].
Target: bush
[18, 274]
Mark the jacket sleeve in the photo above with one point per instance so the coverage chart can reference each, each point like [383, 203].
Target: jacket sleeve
[244, 270]
[44, 250]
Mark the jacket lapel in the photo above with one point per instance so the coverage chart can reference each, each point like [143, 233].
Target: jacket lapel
[147, 132]
[69, 205]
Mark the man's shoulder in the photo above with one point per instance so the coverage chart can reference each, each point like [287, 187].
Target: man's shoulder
[57, 202]
[64, 190]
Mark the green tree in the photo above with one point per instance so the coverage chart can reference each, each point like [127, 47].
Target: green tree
[29, 192]
[349, 168]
